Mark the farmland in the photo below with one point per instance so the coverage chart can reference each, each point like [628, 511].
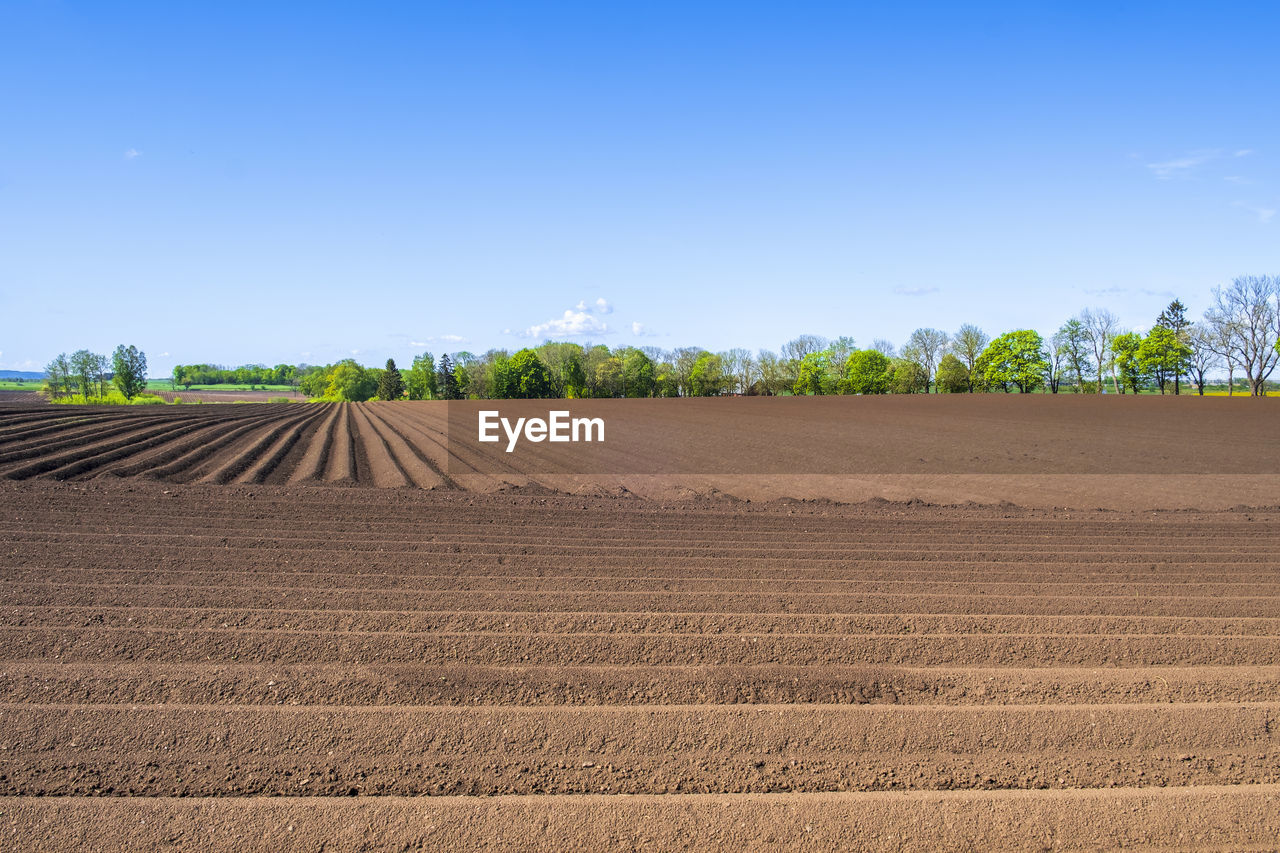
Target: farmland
[243, 626]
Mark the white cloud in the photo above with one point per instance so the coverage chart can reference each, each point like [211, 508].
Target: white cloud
[355, 352]
[573, 324]
[416, 344]
[902, 290]
[453, 339]
[600, 306]
[1264, 214]
[132, 154]
[1181, 166]
[305, 354]
[1243, 152]
[164, 355]
[637, 328]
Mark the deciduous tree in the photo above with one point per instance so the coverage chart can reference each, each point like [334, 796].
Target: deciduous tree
[707, 378]
[866, 372]
[928, 346]
[967, 344]
[1016, 358]
[129, 370]
[1101, 327]
[1246, 316]
[953, 376]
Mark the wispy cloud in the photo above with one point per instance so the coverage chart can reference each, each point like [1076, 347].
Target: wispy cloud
[600, 306]
[903, 290]
[417, 344]
[1243, 152]
[1180, 167]
[1105, 291]
[164, 355]
[640, 330]
[1264, 214]
[1239, 180]
[453, 339]
[132, 154]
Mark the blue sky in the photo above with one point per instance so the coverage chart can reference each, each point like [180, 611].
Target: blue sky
[241, 182]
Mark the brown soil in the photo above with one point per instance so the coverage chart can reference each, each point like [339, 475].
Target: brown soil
[1040, 451]
[214, 638]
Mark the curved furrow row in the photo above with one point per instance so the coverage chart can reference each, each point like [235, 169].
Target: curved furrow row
[273, 455]
[194, 451]
[87, 457]
[385, 470]
[253, 445]
[417, 464]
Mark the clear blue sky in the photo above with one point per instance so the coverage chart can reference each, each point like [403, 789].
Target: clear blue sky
[240, 182]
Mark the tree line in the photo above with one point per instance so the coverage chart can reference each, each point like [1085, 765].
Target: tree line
[1090, 353]
[91, 373]
[187, 375]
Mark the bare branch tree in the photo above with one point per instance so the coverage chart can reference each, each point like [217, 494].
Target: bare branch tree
[1245, 318]
[741, 367]
[967, 344]
[930, 345]
[885, 348]
[804, 345]
[1101, 327]
[1203, 354]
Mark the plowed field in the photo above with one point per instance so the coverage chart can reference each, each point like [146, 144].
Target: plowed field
[207, 643]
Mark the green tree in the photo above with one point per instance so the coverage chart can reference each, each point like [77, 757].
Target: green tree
[564, 367]
[866, 372]
[810, 374]
[707, 377]
[1163, 356]
[84, 371]
[390, 383]
[1016, 358]
[420, 378]
[528, 378]
[58, 372]
[1072, 344]
[1124, 350]
[952, 376]
[1174, 318]
[314, 381]
[639, 376]
[350, 382]
[129, 370]
[906, 376]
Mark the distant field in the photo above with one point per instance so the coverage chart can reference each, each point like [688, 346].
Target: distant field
[12, 385]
